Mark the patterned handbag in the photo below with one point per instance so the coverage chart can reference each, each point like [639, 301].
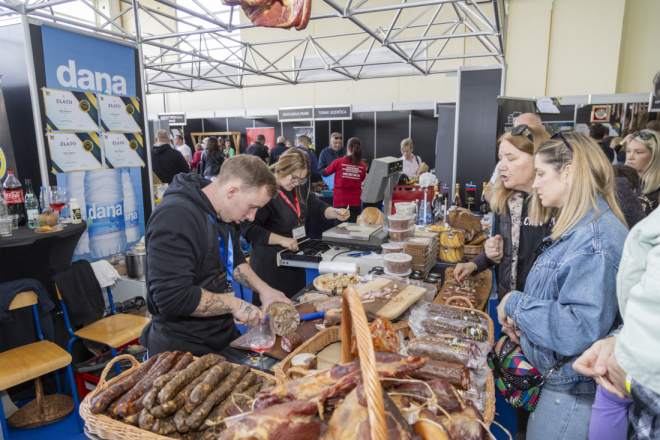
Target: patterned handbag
[517, 380]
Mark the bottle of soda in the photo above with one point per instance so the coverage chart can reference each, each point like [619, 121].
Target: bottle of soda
[14, 198]
[31, 206]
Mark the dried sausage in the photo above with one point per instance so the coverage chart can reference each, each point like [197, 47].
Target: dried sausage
[164, 426]
[127, 401]
[100, 403]
[180, 420]
[455, 374]
[218, 412]
[146, 420]
[201, 391]
[236, 402]
[186, 376]
[133, 419]
[182, 363]
[267, 383]
[291, 341]
[226, 386]
[171, 406]
[150, 398]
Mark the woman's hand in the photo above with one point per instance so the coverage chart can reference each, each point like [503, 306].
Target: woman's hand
[289, 243]
[463, 270]
[494, 248]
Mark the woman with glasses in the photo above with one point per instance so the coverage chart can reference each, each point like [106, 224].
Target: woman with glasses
[515, 237]
[643, 154]
[281, 222]
[411, 163]
[569, 300]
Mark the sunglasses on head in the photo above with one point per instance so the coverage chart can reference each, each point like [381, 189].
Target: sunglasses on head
[560, 135]
[337, 137]
[644, 135]
[522, 129]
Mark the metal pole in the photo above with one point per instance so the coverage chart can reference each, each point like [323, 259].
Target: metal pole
[375, 133]
[34, 98]
[143, 97]
[458, 106]
[410, 124]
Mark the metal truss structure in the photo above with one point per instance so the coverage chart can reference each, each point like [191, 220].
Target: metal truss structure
[196, 48]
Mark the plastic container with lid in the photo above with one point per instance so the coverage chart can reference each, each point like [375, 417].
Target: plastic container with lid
[417, 276]
[405, 208]
[400, 222]
[398, 264]
[392, 248]
[399, 236]
[392, 274]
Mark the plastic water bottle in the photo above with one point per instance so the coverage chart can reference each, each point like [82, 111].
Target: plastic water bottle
[3, 205]
[131, 213]
[43, 198]
[105, 207]
[75, 183]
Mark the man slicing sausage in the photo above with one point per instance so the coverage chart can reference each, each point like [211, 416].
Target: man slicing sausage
[194, 252]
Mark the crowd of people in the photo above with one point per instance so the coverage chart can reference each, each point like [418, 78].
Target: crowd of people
[576, 246]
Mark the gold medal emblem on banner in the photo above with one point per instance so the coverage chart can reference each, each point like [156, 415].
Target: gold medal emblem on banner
[84, 105]
[88, 146]
[130, 109]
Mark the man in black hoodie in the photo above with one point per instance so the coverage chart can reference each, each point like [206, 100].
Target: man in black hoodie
[167, 161]
[278, 150]
[192, 236]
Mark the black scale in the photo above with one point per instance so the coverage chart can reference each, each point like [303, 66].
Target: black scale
[309, 251]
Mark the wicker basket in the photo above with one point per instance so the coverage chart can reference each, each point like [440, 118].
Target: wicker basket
[334, 334]
[44, 410]
[102, 426]
[470, 251]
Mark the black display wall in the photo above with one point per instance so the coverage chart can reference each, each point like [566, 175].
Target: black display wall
[362, 127]
[16, 91]
[392, 128]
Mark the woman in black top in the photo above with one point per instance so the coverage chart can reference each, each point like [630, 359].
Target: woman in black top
[643, 154]
[212, 160]
[274, 224]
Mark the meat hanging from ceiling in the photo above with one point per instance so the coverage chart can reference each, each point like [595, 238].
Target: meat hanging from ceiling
[275, 13]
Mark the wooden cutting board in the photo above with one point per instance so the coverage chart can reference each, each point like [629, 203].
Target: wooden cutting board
[482, 292]
[306, 330]
[406, 296]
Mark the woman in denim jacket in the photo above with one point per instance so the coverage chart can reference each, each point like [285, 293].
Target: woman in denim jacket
[570, 299]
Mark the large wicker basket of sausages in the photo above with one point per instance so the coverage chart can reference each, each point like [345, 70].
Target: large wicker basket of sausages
[454, 374]
[171, 395]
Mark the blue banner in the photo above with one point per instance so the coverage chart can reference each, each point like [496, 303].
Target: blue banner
[85, 64]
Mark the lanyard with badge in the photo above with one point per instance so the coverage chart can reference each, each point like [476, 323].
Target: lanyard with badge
[227, 260]
[298, 230]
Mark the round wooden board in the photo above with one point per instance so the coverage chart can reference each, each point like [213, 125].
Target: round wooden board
[319, 282]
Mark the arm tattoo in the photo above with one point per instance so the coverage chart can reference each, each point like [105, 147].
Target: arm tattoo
[241, 277]
[212, 304]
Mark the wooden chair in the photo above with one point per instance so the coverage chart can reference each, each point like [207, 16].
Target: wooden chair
[114, 331]
[32, 361]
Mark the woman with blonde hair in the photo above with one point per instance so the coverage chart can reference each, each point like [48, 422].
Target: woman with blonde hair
[643, 154]
[569, 301]
[515, 237]
[281, 222]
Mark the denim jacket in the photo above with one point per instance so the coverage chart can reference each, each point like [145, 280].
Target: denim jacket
[570, 298]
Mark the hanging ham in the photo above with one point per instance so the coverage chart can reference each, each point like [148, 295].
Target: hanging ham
[275, 13]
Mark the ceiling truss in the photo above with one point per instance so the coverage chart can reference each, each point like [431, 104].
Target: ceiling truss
[219, 55]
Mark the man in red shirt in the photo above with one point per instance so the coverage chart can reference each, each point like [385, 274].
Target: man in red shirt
[349, 173]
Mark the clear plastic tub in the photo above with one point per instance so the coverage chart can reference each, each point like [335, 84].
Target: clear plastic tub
[405, 274]
[398, 264]
[392, 248]
[399, 236]
[405, 208]
[400, 222]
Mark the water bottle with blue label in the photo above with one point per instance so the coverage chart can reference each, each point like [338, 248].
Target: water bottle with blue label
[131, 213]
[104, 195]
[75, 183]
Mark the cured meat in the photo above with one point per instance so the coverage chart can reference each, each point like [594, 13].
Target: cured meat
[455, 374]
[457, 313]
[292, 421]
[465, 424]
[419, 392]
[383, 337]
[277, 13]
[473, 332]
[284, 318]
[291, 341]
[201, 391]
[337, 381]
[171, 406]
[101, 402]
[186, 376]
[446, 348]
[306, 13]
[245, 2]
[215, 416]
[329, 304]
[351, 419]
[146, 420]
[430, 431]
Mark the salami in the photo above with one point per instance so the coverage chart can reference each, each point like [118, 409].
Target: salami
[473, 332]
[151, 396]
[100, 403]
[201, 391]
[182, 363]
[217, 414]
[146, 420]
[164, 426]
[284, 318]
[186, 376]
[180, 420]
[133, 419]
[171, 406]
[127, 401]
[291, 341]
[230, 383]
[235, 403]
[267, 383]
[457, 313]
[446, 348]
[457, 375]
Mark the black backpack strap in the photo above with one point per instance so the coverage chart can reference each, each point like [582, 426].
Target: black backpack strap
[563, 361]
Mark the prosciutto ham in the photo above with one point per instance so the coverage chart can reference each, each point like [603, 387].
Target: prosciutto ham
[276, 13]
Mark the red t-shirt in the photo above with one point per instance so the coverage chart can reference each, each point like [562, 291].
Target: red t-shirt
[348, 182]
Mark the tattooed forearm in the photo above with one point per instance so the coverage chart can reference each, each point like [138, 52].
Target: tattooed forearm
[213, 304]
[241, 276]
